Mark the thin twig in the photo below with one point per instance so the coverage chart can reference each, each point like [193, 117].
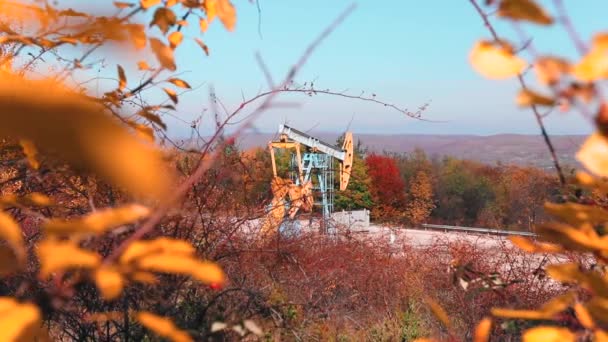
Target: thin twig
[537, 115]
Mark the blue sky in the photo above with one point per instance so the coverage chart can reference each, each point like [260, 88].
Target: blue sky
[407, 52]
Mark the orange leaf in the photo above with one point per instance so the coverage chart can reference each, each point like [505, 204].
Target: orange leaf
[203, 24]
[180, 83]
[175, 39]
[438, 311]
[163, 53]
[122, 79]
[483, 330]
[30, 151]
[143, 65]
[172, 94]
[203, 46]
[226, 13]
[145, 4]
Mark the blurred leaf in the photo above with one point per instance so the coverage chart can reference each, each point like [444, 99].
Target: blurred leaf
[109, 282]
[218, 326]
[583, 316]
[527, 98]
[559, 303]
[548, 334]
[164, 18]
[58, 255]
[33, 199]
[593, 154]
[172, 95]
[122, 79]
[152, 117]
[205, 272]
[600, 336]
[571, 273]
[226, 13]
[495, 61]
[11, 232]
[30, 151]
[569, 237]
[549, 70]
[143, 65]
[577, 214]
[162, 326]
[483, 330]
[531, 246]
[203, 25]
[121, 4]
[521, 314]
[180, 83]
[594, 65]
[163, 53]
[99, 221]
[144, 277]
[203, 46]
[439, 312]
[162, 245]
[175, 38]
[79, 130]
[526, 10]
[253, 327]
[148, 3]
[18, 321]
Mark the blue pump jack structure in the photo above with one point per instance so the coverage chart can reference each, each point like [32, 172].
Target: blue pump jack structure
[312, 174]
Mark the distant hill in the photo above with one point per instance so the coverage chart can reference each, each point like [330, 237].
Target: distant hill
[506, 148]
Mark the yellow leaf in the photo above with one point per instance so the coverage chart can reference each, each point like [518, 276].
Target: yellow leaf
[11, 232]
[171, 3]
[203, 24]
[143, 65]
[161, 245]
[521, 314]
[172, 95]
[439, 312]
[162, 326]
[210, 7]
[594, 154]
[30, 151]
[203, 271]
[109, 282]
[98, 221]
[75, 127]
[203, 46]
[163, 53]
[594, 65]
[558, 303]
[571, 273]
[526, 10]
[577, 214]
[530, 246]
[583, 316]
[549, 70]
[18, 322]
[143, 131]
[495, 61]
[226, 13]
[569, 237]
[148, 3]
[527, 98]
[57, 255]
[180, 83]
[483, 330]
[175, 38]
[548, 334]
[122, 79]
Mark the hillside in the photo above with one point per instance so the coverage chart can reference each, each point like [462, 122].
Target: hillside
[506, 148]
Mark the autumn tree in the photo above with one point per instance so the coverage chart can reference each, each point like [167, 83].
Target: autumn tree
[388, 188]
[420, 199]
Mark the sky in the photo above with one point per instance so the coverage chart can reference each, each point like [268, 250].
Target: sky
[406, 52]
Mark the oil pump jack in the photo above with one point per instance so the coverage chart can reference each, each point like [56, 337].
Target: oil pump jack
[310, 158]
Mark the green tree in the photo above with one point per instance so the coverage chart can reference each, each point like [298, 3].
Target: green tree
[357, 195]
